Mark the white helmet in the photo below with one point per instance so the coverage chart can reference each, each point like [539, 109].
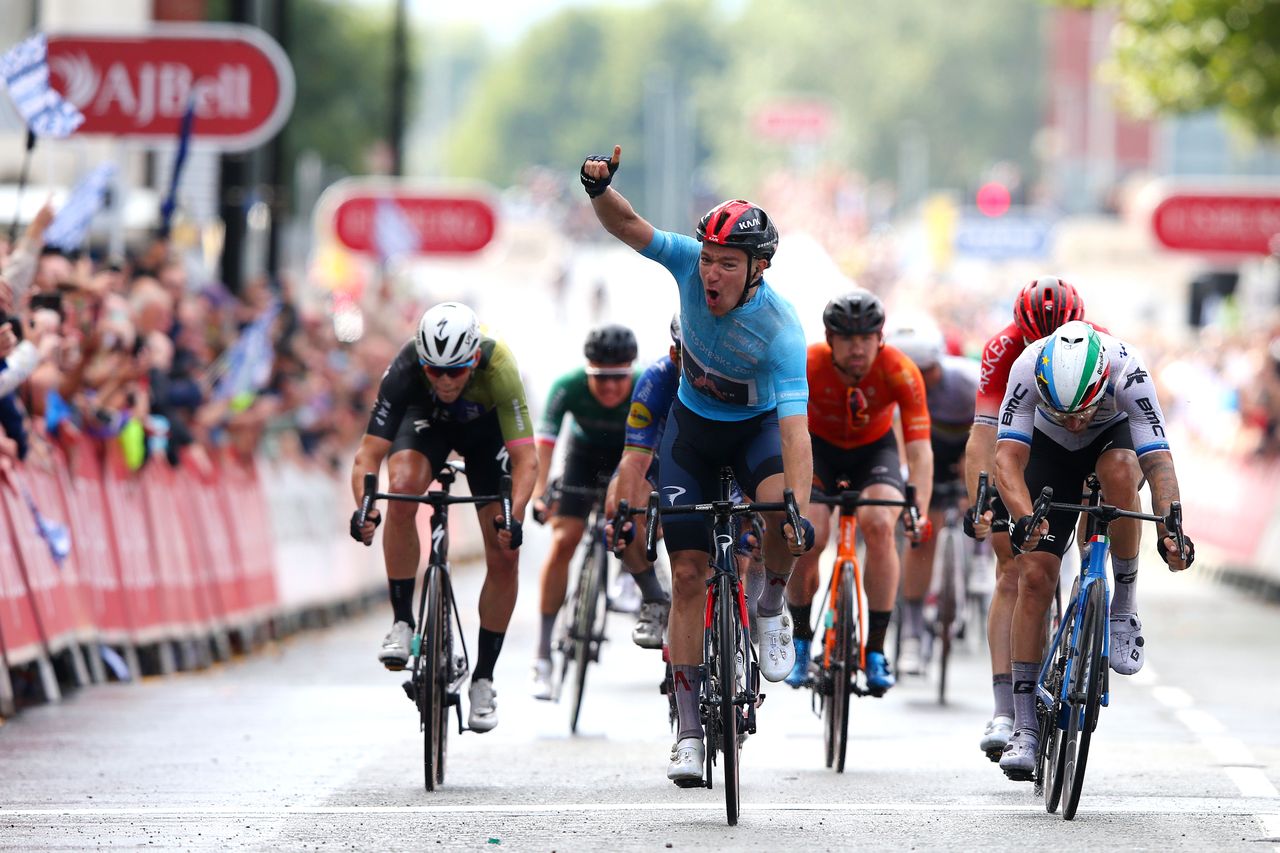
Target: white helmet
[1073, 369]
[448, 335]
[920, 342]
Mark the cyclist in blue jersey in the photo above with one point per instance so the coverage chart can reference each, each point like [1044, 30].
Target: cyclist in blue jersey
[741, 403]
[637, 475]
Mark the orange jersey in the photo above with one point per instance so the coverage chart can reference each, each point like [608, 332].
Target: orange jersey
[853, 417]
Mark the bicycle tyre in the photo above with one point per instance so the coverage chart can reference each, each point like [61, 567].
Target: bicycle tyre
[729, 641]
[846, 665]
[952, 566]
[430, 678]
[446, 674]
[1051, 755]
[590, 588]
[1086, 695]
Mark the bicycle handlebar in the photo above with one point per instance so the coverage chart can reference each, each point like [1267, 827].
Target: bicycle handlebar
[370, 492]
[984, 489]
[653, 511]
[850, 499]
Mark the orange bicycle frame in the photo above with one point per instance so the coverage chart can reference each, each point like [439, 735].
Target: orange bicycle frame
[846, 552]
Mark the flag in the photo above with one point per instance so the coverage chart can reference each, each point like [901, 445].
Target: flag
[393, 233]
[26, 73]
[69, 227]
[246, 366]
[184, 140]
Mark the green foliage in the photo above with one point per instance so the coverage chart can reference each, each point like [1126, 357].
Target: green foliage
[1180, 56]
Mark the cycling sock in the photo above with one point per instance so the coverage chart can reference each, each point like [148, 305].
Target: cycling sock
[913, 618]
[771, 597]
[801, 628]
[544, 639]
[1126, 574]
[1002, 687]
[489, 645]
[686, 680]
[650, 587]
[878, 626]
[1025, 674]
[402, 599]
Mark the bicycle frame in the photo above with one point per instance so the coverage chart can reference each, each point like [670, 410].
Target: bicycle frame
[1073, 618]
[846, 552]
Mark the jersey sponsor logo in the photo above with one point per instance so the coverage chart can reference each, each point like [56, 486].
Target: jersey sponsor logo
[422, 424]
[504, 459]
[992, 356]
[859, 415]
[381, 411]
[715, 385]
[1015, 399]
[1151, 415]
[1138, 375]
[639, 417]
[515, 408]
[674, 492]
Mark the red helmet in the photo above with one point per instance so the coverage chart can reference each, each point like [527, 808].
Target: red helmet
[739, 224]
[1044, 305]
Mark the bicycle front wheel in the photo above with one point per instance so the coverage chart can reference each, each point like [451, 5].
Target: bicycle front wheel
[844, 665]
[432, 678]
[1086, 696]
[1051, 753]
[732, 665]
[587, 610]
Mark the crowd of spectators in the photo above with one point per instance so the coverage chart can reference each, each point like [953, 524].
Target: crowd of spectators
[96, 350]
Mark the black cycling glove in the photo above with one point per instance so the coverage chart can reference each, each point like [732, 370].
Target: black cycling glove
[374, 516]
[517, 531]
[595, 187]
[1019, 534]
[806, 535]
[1164, 552]
[969, 529]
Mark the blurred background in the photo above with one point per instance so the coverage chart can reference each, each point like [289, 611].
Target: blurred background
[347, 164]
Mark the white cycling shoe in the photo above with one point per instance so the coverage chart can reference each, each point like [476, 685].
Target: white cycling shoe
[1127, 646]
[1018, 761]
[652, 623]
[910, 660]
[996, 736]
[484, 710]
[394, 653]
[688, 755]
[542, 688]
[777, 652]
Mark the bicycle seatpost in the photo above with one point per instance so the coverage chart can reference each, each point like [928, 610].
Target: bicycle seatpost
[651, 528]
[370, 490]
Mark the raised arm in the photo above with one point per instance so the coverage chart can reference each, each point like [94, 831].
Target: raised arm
[613, 210]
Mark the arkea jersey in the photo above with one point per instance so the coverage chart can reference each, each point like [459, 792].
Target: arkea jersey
[650, 403]
[998, 357]
[854, 417]
[593, 424]
[1130, 394]
[743, 364]
[494, 384]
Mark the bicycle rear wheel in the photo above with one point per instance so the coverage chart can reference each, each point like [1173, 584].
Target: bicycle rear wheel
[587, 611]
[729, 650]
[431, 677]
[951, 564]
[1086, 696]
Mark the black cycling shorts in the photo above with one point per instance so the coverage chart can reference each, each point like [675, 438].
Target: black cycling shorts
[1065, 471]
[585, 469]
[947, 455]
[479, 442]
[864, 466]
[694, 449]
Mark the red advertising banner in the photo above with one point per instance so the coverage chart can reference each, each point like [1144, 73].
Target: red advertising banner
[138, 85]
[19, 626]
[1219, 222]
[441, 219]
[91, 541]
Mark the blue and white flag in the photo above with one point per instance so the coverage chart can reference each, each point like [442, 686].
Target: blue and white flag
[71, 224]
[393, 233]
[247, 364]
[26, 73]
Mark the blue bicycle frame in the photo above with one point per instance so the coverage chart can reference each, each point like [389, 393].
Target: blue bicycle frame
[1095, 571]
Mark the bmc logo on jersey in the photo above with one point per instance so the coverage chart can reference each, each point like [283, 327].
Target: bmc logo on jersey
[1015, 397]
[640, 416]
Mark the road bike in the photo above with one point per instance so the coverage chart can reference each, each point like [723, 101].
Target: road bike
[437, 671]
[729, 683]
[839, 672]
[1074, 680]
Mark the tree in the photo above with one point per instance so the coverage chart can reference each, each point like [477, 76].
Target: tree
[1190, 55]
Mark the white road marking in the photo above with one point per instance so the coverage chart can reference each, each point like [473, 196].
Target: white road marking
[1229, 750]
[1252, 782]
[1137, 807]
[1172, 697]
[1200, 722]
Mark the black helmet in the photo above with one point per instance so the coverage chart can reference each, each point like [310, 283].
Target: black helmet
[858, 312]
[612, 344]
[739, 224]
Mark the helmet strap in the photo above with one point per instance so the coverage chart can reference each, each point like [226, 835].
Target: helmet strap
[753, 282]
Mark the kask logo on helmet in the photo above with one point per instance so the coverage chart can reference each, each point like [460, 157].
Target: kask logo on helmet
[744, 224]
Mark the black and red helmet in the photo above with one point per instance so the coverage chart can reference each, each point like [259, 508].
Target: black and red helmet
[739, 224]
[1044, 305]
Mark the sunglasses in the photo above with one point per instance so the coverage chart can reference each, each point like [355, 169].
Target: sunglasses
[1072, 418]
[437, 372]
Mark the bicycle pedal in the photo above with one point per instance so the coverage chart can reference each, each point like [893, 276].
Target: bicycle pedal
[409, 691]
[994, 755]
[393, 666]
[1019, 775]
[690, 783]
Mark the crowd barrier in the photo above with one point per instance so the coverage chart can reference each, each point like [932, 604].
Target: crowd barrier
[168, 568]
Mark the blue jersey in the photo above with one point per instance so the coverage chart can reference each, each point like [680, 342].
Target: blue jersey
[746, 363]
[650, 403]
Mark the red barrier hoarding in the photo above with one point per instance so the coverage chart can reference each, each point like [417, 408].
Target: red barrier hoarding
[91, 541]
[19, 625]
[1218, 222]
[138, 85]
[169, 551]
[150, 604]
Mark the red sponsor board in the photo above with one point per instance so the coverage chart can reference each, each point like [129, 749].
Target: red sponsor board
[169, 551]
[91, 541]
[139, 85]
[1218, 222]
[19, 626]
[149, 601]
[444, 221]
[795, 121]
